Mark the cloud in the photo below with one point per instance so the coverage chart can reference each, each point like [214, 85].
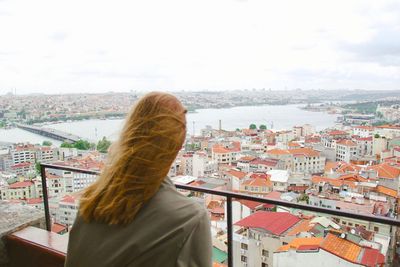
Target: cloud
[58, 36]
[383, 48]
[188, 44]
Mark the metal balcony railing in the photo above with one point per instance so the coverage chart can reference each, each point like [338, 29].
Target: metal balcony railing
[229, 197]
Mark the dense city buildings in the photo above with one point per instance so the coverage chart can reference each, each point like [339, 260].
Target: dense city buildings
[348, 167]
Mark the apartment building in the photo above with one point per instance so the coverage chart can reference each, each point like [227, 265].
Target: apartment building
[305, 159]
[202, 165]
[259, 235]
[225, 153]
[346, 150]
[314, 251]
[46, 154]
[23, 153]
[67, 210]
[330, 138]
[363, 131]
[21, 190]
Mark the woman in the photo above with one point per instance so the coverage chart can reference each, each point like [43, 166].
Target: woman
[133, 215]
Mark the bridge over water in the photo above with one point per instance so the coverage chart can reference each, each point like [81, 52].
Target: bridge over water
[50, 133]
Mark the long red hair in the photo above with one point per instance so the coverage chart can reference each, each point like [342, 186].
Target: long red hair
[138, 162]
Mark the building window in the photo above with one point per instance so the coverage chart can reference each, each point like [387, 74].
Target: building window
[243, 258]
[264, 264]
[265, 253]
[376, 229]
[243, 246]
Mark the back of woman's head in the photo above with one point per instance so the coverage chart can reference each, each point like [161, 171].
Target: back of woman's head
[138, 162]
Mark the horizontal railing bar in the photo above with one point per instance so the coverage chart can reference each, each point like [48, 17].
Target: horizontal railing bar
[235, 195]
[68, 168]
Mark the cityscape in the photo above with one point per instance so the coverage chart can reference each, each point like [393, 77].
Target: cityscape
[266, 133]
[352, 166]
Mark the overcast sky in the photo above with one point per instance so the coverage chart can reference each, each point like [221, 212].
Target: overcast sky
[56, 46]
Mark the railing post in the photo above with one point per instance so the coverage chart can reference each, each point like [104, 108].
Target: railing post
[230, 234]
[45, 197]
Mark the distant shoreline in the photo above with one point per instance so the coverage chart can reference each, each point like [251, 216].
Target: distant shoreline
[52, 121]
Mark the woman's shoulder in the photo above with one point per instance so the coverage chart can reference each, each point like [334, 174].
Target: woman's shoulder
[169, 200]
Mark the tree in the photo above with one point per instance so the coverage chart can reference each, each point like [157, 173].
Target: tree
[103, 145]
[67, 145]
[46, 143]
[379, 114]
[83, 145]
[80, 144]
[37, 167]
[377, 136]
[253, 126]
[263, 127]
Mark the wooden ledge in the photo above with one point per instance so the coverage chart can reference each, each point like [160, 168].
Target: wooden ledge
[33, 247]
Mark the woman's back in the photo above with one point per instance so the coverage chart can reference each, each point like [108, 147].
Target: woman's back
[169, 230]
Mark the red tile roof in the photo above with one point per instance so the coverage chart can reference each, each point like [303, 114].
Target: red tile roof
[21, 184]
[277, 151]
[302, 243]
[345, 142]
[57, 228]
[258, 182]
[389, 126]
[308, 152]
[364, 138]
[21, 165]
[265, 162]
[254, 204]
[52, 176]
[34, 201]
[372, 258]
[236, 173]
[274, 195]
[332, 181]
[305, 151]
[274, 222]
[246, 159]
[218, 148]
[386, 191]
[337, 132]
[68, 199]
[341, 247]
[385, 170]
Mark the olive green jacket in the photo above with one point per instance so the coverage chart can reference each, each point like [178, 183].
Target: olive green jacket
[169, 230]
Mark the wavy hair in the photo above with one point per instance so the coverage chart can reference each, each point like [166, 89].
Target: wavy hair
[138, 162]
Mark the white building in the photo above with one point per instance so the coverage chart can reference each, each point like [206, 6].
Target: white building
[346, 150]
[363, 131]
[67, 210]
[202, 166]
[260, 235]
[19, 191]
[279, 179]
[23, 153]
[364, 146]
[46, 154]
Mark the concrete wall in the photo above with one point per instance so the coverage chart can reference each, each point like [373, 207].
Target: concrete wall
[14, 217]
